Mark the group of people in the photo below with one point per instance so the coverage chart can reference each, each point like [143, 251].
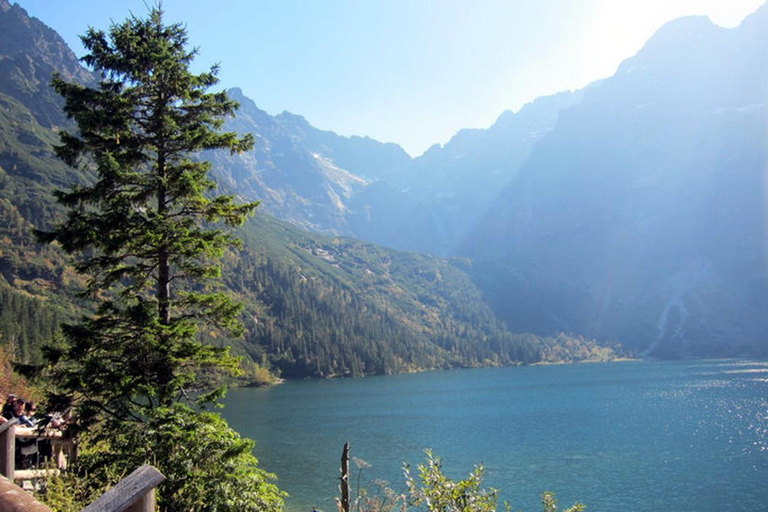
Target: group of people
[30, 451]
[17, 407]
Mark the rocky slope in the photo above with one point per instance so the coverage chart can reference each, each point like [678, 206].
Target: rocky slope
[640, 217]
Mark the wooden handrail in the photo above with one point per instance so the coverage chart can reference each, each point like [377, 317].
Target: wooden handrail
[134, 493]
[10, 430]
[37, 433]
[8, 424]
[63, 447]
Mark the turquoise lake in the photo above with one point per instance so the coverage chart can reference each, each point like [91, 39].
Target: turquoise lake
[635, 436]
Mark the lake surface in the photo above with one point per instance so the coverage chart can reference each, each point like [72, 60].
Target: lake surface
[637, 436]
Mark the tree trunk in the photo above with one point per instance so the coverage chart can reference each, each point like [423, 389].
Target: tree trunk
[163, 256]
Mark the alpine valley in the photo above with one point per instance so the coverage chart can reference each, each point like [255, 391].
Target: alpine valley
[631, 212]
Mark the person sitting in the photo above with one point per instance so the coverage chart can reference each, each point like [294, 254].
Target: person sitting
[18, 411]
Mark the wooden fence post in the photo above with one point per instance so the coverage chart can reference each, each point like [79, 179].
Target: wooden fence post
[8, 448]
[134, 493]
[345, 478]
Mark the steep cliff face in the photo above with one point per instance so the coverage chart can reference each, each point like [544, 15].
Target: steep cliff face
[30, 111]
[30, 52]
[640, 217]
[294, 179]
[434, 203]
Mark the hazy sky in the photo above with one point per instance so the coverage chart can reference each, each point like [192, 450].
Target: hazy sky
[407, 71]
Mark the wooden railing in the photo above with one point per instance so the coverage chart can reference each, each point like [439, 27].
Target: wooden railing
[134, 493]
[62, 448]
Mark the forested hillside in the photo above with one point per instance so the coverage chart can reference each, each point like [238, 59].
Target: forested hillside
[328, 306]
[335, 306]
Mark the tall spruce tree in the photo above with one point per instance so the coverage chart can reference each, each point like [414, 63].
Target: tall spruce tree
[144, 234]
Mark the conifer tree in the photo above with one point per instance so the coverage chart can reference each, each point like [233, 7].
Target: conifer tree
[144, 232]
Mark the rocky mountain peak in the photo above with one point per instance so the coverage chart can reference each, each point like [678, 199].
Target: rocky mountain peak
[30, 52]
[295, 119]
[674, 44]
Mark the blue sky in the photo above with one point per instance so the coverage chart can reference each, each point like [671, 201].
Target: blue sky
[407, 71]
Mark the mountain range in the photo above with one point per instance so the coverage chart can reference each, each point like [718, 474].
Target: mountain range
[630, 212]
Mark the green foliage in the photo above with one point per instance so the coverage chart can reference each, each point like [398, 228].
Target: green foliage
[435, 492]
[208, 466]
[563, 348]
[432, 491]
[121, 361]
[324, 306]
[68, 491]
[255, 374]
[144, 223]
[550, 504]
[144, 235]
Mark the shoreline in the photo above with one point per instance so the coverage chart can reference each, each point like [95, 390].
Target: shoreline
[280, 380]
